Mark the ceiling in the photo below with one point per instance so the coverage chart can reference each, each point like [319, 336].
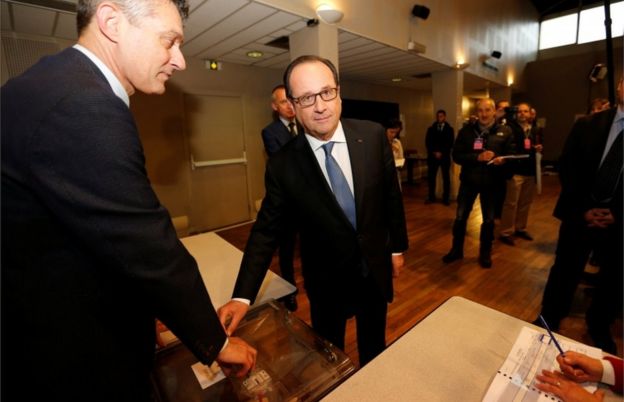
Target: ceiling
[548, 7]
[226, 30]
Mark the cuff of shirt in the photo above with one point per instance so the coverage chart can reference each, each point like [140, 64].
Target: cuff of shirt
[608, 374]
[240, 299]
[401, 253]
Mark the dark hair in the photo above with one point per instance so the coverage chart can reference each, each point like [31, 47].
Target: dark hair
[280, 86]
[441, 111]
[132, 9]
[303, 60]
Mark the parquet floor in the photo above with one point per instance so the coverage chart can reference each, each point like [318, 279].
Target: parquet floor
[514, 285]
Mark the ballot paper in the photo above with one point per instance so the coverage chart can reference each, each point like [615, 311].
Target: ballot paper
[532, 352]
[520, 156]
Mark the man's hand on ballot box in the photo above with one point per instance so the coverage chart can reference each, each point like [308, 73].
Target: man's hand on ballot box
[237, 358]
[230, 315]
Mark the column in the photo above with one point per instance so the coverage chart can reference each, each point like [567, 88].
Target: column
[448, 88]
[319, 40]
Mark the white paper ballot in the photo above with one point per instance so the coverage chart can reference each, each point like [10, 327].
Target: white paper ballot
[207, 375]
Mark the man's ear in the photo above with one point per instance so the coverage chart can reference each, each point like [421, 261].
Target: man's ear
[109, 17]
[274, 106]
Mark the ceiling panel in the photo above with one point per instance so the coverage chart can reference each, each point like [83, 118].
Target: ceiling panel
[66, 26]
[37, 21]
[228, 29]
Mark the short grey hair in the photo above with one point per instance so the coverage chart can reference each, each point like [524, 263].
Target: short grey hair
[134, 10]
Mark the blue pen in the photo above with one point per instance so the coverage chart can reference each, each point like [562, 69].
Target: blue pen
[552, 336]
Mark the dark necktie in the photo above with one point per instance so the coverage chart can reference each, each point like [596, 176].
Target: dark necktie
[339, 184]
[609, 173]
[291, 128]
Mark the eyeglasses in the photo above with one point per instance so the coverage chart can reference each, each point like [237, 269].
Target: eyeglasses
[309, 100]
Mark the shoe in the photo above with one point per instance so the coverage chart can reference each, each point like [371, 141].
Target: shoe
[290, 302]
[507, 240]
[429, 201]
[485, 260]
[446, 202]
[452, 256]
[523, 235]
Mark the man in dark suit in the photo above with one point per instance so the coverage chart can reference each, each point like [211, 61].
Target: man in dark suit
[89, 256]
[275, 136]
[284, 127]
[439, 141]
[339, 183]
[590, 210]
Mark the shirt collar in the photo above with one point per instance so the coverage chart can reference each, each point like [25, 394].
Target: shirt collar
[286, 121]
[339, 136]
[114, 83]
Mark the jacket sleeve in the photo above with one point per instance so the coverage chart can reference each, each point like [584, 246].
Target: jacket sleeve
[94, 181]
[462, 149]
[271, 144]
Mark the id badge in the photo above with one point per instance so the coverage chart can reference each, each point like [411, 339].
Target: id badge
[527, 143]
[478, 144]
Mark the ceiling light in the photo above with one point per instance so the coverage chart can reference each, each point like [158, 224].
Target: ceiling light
[397, 79]
[255, 54]
[461, 65]
[329, 14]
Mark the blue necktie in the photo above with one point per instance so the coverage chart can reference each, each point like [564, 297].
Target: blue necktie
[339, 184]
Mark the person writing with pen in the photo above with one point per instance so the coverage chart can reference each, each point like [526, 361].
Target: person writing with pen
[577, 368]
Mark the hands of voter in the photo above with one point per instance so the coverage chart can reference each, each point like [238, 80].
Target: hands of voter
[599, 218]
[230, 315]
[497, 161]
[237, 358]
[485, 156]
[568, 391]
[438, 155]
[398, 262]
[539, 148]
[580, 367]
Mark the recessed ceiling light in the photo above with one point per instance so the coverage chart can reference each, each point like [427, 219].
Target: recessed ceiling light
[255, 54]
[397, 79]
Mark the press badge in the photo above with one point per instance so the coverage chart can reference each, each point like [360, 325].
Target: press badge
[527, 143]
[478, 144]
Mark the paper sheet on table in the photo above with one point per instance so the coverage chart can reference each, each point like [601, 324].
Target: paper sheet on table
[532, 353]
[521, 156]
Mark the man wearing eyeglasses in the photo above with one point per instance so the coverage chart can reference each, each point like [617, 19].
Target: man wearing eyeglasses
[339, 182]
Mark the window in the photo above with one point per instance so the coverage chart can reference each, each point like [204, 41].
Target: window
[591, 24]
[562, 30]
[558, 32]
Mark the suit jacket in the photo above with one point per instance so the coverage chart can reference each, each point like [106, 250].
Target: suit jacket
[578, 166]
[89, 255]
[332, 251]
[436, 141]
[275, 135]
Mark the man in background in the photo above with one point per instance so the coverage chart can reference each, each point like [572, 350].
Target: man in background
[283, 129]
[89, 255]
[590, 210]
[339, 182]
[439, 141]
[478, 149]
[522, 185]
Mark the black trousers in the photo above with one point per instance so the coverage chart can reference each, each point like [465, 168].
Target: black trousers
[575, 242]
[370, 309]
[444, 165]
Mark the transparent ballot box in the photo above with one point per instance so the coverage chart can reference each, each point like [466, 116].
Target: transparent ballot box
[293, 364]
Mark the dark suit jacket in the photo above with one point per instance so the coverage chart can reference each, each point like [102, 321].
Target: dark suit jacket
[89, 255]
[331, 249]
[436, 141]
[275, 136]
[578, 165]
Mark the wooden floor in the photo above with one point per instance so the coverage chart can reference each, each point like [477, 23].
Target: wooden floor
[514, 285]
